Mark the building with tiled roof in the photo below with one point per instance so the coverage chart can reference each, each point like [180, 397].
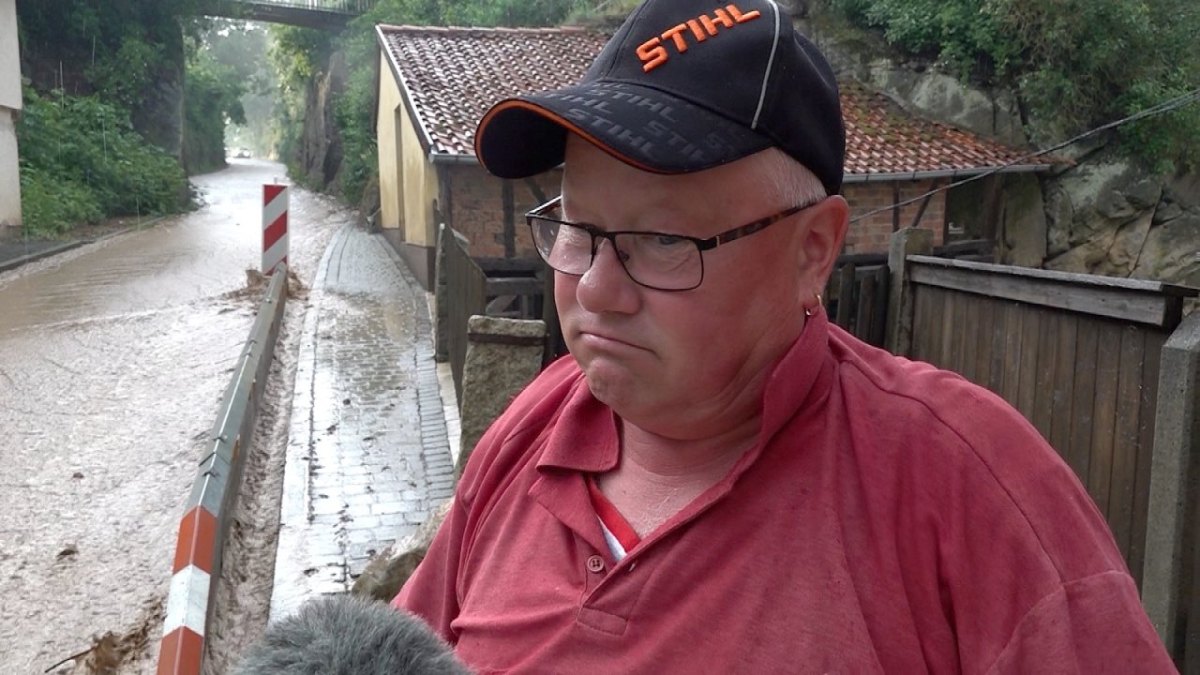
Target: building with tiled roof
[436, 83]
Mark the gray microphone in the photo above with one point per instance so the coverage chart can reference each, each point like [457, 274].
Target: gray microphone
[347, 635]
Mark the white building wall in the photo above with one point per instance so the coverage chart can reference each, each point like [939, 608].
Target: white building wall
[10, 107]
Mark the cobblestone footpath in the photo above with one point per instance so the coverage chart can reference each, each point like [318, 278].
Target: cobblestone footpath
[368, 455]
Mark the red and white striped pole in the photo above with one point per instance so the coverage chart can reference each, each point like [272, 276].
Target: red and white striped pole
[275, 227]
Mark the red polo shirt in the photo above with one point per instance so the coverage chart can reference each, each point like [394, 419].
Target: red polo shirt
[891, 518]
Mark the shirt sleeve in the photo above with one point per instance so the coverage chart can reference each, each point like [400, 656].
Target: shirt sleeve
[431, 592]
[1085, 626]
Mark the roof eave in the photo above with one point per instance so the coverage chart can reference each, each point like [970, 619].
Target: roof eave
[452, 158]
[423, 134]
[943, 173]
[464, 159]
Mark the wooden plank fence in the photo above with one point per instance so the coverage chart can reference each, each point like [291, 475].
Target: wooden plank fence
[1077, 355]
[1083, 358]
[466, 286]
[463, 295]
[856, 296]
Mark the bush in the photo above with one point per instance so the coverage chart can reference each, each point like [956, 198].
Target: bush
[51, 206]
[87, 151]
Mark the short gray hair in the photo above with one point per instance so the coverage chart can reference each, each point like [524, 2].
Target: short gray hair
[790, 180]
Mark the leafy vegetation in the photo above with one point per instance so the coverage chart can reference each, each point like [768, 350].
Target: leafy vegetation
[1075, 64]
[93, 67]
[243, 47]
[81, 160]
[212, 99]
[298, 55]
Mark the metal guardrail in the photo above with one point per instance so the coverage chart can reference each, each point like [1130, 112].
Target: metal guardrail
[196, 567]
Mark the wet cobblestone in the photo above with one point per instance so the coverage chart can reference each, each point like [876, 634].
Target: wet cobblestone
[368, 455]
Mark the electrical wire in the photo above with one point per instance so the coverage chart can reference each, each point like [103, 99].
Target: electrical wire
[1154, 110]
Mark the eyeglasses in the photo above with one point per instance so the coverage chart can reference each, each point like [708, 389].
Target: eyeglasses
[657, 260]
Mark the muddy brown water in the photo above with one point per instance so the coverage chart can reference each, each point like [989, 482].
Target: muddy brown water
[113, 360]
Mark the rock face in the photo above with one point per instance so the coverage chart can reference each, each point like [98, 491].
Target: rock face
[917, 88]
[1107, 217]
[1097, 215]
[321, 144]
[160, 117]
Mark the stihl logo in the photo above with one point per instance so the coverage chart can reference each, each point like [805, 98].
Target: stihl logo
[653, 52]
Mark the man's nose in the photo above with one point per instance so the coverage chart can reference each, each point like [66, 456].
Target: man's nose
[606, 286]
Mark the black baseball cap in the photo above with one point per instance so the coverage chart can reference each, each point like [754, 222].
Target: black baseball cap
[683, 85]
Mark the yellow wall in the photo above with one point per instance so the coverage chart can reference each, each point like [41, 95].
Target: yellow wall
[408, 184]
[420, 186]
[385, 132]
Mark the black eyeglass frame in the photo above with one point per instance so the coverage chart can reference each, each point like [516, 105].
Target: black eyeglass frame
[702, 245]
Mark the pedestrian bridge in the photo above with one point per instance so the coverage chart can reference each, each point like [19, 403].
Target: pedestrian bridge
[330, 15]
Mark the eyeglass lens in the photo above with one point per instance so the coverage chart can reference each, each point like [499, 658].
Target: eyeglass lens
[651, 259]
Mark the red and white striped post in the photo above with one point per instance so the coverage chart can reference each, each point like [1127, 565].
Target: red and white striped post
[275, 227]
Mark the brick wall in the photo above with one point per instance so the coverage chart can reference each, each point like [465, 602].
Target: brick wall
[477, 209]
[871, 234]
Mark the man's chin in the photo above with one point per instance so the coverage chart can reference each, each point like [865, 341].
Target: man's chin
[611, 383]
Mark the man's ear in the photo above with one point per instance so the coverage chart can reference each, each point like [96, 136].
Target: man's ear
[822, 236]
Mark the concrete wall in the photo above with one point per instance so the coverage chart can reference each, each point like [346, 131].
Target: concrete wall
[10, 179]
[408, 184]
[10, 67]
[872, 233]
[10, 107]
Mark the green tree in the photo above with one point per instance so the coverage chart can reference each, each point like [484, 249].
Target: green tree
[212, 100]
[93, 66]
[1075, 64]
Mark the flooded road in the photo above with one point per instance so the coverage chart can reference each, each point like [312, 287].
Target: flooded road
[113, 359]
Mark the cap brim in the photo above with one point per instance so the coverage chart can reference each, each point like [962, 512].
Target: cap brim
[643, 127]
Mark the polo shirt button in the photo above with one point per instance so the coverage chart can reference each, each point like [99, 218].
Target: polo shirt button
[595, 564]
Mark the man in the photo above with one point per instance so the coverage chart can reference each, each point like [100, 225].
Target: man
[717, 479]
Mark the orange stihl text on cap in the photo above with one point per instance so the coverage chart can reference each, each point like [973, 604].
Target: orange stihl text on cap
[653, 52]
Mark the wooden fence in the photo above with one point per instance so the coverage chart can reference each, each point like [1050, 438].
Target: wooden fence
[510, 287]
[856, 295]
[462, 295]
[1081, 357]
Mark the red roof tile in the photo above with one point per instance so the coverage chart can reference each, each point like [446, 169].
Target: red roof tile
[453, 75]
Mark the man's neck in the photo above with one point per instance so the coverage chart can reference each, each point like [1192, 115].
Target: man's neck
[677, 461]
[659, 476]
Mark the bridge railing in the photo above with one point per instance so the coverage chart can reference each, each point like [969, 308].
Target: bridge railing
[341, 6]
